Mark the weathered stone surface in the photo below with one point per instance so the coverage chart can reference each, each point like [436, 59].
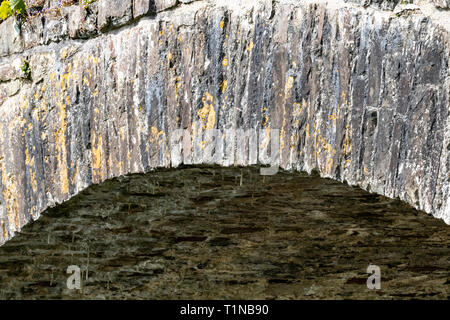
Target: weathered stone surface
[10, 71]
[144, 7]
[10, 40]
[113, 13]
[228, 233]
[33, 33]
[382, 4]
[82, 22]
[161, 5]
[10, 76]
[56, 29]
[445, 4]
[361, 95]
[141, 7]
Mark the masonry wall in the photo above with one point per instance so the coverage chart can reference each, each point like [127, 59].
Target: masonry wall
[359, 92]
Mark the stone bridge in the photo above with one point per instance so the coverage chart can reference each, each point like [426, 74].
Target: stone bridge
[358, 93]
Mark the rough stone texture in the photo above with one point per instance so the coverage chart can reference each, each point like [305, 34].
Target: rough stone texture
[10, 41]
[144, 7]
[113, 13]
[228, 233]
[382, 4]
[392, 4]
[82, 23]
[141, 7]
[444, 4]
[361, 95]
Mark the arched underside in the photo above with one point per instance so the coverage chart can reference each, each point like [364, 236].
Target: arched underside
[360, 95]
[227, 233]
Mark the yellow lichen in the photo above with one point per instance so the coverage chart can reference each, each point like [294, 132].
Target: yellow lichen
[64, 54]
[333, 118]
[225, 62]
[289, 85]
[223, 86]
[207, 114]
[61, 155]
[347, 143]
[297, 109]
[344, 97]
[329, 165]
[178, 85]
[155, 135]
[97, 156]
[265, 120]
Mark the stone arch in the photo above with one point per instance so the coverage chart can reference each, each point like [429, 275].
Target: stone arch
[201, 232]
[106, 106]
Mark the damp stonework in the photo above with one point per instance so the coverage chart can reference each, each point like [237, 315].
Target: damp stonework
[359, 92]
[228, 233]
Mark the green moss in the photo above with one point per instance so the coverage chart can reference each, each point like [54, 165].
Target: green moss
[25, 67]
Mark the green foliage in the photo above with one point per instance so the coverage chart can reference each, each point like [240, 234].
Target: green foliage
[5, 10]
[25, 67]
[18, 6]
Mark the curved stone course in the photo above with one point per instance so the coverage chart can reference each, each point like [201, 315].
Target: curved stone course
[357, 93]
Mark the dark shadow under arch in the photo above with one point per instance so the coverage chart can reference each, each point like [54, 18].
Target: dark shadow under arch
[227, 233]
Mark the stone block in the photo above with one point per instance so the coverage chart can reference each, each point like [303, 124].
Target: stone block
[82, 21]
[55, 29]
[10, 40]
[114, 13]
[443, 4]
[144, 7]
[32, 32]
